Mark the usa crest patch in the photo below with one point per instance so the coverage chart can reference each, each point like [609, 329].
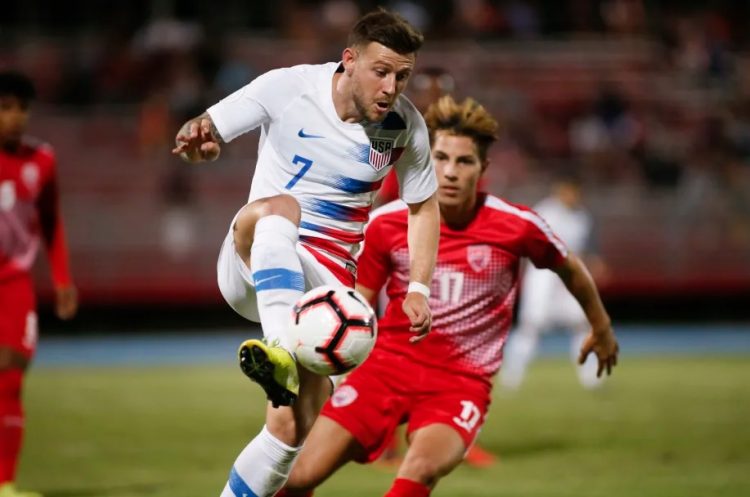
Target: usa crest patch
[478, 257]
[380, 152]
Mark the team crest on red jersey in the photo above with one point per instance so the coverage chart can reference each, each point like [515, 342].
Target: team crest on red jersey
[478, 257]
[380, 152]
[343, 396]
[30, 176]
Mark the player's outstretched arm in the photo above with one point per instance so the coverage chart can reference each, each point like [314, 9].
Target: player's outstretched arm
[53, 233]
[198, 140]
[423, 236]
[601, 341]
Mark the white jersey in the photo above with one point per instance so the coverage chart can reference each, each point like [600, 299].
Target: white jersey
[333, 168]
[544, 299]
[572, 226]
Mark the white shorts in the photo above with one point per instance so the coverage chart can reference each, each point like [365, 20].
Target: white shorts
[236, 280]
[546, 303]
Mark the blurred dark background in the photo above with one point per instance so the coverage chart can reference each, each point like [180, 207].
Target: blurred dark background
[648, 102]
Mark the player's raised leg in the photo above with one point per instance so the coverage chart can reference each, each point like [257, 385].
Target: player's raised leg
[265, 237]
[434, 451]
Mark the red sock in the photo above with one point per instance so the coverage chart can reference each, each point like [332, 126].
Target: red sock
[11, 423]
[285, 493]
[407, 488]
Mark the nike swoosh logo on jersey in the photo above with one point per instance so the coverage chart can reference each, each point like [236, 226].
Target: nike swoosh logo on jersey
[301, 133]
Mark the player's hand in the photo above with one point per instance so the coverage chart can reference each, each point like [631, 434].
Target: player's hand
[195, 142]
[417, 309]
[66, 302]
[604, 345]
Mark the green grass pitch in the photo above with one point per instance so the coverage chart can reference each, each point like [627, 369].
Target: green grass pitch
[662, 427]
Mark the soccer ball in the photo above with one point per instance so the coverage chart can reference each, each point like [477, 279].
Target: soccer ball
[333, 330]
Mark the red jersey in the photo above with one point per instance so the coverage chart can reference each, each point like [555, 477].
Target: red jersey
[29, 212]
[474, 287]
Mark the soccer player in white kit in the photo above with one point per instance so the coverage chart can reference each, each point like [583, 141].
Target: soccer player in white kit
[546, 304]
[329, 135]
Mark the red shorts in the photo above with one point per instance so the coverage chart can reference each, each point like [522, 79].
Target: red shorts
[18, 321]
[388, 390]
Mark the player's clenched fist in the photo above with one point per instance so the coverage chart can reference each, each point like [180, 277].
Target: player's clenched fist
[198, 140]
[417, 309]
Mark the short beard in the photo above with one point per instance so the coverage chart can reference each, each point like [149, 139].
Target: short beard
[361, 109]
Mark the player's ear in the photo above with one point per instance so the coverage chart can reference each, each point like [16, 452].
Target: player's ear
[349, 58]
[485, 163]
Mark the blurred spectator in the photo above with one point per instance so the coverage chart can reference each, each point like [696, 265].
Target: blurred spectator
[233, 73]
[624, 17]
[522, 19]
[664, 150]
[166, 34]
[416, 13]
[179, 229]
[605, 136]
[155, 124]
[428, 85]
[478, 18]
[700, 42]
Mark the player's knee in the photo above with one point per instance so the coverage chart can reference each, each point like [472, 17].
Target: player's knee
[303, 479]
[279, 205]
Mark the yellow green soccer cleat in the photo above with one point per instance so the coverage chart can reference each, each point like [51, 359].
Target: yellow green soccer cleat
[273, 368]
[9, 490]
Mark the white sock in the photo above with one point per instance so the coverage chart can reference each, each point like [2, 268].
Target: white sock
[277, 275]
[517, 356]
[262, 467]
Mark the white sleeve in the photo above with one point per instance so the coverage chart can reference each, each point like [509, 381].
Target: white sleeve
[416, 176]
[258, 102]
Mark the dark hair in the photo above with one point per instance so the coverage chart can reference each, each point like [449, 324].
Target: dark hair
[570, 175]
[388, 29]
[17, 85]
[467, 118]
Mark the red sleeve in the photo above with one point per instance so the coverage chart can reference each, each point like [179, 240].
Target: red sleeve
[541, 245]
[374, 264]
[48, 205]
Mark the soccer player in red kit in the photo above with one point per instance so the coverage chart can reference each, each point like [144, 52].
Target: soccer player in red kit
[29, 214]
[440, 387]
